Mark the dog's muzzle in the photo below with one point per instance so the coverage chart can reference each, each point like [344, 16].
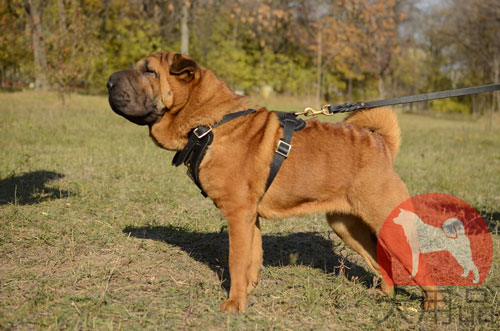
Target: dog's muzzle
[127, 98]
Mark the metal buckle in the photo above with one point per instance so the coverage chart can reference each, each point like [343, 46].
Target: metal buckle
[283, 148]
[313, 112]
[199, 136]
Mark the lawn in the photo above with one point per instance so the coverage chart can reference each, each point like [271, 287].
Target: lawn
[99, 231]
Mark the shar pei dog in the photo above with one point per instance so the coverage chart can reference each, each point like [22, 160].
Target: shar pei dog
[344, 170]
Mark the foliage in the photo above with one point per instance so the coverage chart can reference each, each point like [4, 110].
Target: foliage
[334, 50]
[69, 50]
[450, 106]
[15, 54]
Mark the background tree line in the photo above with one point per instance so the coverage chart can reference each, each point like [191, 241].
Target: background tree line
[337, 50]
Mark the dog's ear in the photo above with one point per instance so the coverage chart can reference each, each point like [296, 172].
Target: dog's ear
[186, 69]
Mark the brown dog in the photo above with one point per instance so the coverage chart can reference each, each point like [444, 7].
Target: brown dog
[345, 170]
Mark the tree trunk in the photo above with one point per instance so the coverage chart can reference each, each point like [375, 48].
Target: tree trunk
[474, 105]
[185, 28]
[34, 11]
[62, 31]
[62, 16]
[381, 88]
[496, 79]
[349, 89]
[320, 56]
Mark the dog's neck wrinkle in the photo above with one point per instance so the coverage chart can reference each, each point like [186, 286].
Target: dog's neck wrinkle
[211, 101]
[219, 100]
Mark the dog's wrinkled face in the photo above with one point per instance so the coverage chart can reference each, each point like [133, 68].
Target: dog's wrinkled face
[144, 93]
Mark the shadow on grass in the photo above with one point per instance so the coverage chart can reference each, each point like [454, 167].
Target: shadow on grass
[303, 248]
[492, 219]
[29, 188]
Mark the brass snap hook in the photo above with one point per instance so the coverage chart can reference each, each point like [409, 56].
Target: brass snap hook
[309, 111]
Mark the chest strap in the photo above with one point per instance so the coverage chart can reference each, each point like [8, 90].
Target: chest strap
[290, 123]
[198, 140]
[201, 137]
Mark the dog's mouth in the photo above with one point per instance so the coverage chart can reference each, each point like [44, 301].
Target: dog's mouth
[126, 99]
[126, 108]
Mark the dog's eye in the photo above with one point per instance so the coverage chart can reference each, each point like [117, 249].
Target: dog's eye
[150, 73]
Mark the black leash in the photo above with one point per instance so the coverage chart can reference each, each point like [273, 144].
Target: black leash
[353, 106]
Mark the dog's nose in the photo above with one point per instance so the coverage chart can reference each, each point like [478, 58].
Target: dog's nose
[113, 80]
[109, 84]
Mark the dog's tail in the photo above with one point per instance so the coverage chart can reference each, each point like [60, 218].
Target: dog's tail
[383, 121]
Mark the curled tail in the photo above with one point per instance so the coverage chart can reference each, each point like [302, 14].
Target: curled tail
[383, 121]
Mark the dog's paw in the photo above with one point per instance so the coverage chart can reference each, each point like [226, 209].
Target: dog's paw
[233, 306]
[253, 283]
[434, 304]
[386, 288]
[252, 286]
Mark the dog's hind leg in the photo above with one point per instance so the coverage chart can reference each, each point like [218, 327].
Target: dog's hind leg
[357, 235]
[376, 210]
[254, 270]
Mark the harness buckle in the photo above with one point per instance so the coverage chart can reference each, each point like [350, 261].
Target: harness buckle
[283, 148]
[203, 134]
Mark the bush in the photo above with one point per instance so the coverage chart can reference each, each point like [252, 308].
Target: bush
[450, 106]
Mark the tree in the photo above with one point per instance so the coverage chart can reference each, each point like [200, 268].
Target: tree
[185, 28]
[71, 46]
[34, 10]
[321, 31]
[476, 39]
[379, 22]
[15, 57]
[326, 49]
[462, 42]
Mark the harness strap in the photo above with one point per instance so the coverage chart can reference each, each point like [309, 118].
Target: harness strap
[195, 138]
[201, 137]
[290, 123]
[198, 140]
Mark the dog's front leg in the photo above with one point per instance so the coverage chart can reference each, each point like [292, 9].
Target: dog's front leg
[254, 270]
[241, 225]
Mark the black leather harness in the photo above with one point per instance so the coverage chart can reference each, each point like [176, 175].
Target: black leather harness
[202, 136]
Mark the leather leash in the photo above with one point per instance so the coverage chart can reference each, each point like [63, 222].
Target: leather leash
[353, 106]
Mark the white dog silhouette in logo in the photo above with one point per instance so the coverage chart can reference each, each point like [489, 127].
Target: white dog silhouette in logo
[425, 238]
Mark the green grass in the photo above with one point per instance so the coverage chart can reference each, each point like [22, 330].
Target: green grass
[97, 230]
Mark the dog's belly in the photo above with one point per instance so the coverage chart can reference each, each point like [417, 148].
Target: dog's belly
[300, 206]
